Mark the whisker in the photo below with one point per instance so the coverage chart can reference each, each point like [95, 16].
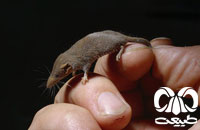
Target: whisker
[39, 71]
[40, 79]
[61, 82]
[42, 84]
[58, 86]
[49, 91]
[45, 90]
[52, 91]
[47, 69]
[43, 79]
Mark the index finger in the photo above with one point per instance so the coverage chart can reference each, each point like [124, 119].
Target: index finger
[136, 60]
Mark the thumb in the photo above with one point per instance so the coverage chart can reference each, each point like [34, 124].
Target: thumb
[177, 67]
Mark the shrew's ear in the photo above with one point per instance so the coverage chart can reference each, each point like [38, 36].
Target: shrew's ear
[64, 66]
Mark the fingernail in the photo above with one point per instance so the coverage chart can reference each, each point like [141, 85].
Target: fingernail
[161, 41]
[161, 38]
[110, 104]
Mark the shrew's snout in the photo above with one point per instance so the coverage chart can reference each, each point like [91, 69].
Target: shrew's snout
[51, 82]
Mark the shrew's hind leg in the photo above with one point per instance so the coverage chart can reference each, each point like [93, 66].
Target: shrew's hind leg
[120, 53]
[85, 77]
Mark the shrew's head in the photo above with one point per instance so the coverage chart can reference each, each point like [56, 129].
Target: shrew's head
[60, 70]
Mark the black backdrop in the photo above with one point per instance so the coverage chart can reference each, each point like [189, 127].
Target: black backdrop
[36, 31]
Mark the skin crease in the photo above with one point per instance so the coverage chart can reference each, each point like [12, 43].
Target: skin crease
[131, 82]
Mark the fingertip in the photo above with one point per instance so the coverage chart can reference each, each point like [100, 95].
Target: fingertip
[114, 113]
[136, 60]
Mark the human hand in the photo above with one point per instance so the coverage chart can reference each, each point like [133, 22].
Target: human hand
[123, 95]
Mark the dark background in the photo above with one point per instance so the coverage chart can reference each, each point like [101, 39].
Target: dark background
[34, 32]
